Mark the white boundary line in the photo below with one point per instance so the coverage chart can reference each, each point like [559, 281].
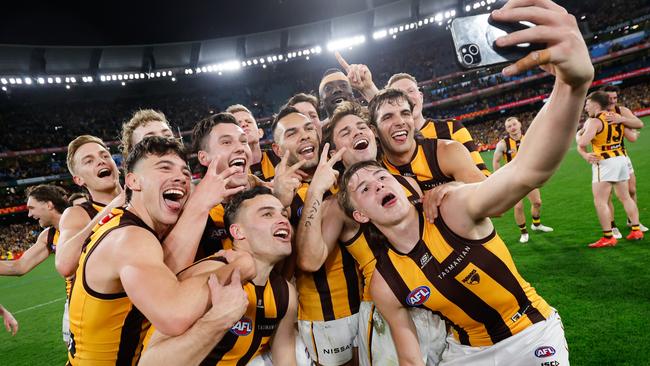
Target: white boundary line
[38, 306]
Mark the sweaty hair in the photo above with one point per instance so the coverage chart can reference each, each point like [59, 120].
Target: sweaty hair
[599, 97]
[384, 96]
[399, 76]
[202, 129]
[238, 108]
[344, 109]
[233, 206]
[344, 194]
[285, 111]
[140, 118]
[152, 145]
[75, 144]
[49, 193]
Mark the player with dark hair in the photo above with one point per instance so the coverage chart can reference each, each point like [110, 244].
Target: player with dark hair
[609, 166]
[361, 79]
[507, 148]
[333, 89]
[119, 295]
[329, 296]
[77, 199]
[258, 224]
[306, 104]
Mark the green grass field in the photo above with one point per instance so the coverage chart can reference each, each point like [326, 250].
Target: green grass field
[603, 295]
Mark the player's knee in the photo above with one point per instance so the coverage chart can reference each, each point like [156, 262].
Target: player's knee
[537, 204]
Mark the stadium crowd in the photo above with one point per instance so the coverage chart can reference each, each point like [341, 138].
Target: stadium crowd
[17, 238]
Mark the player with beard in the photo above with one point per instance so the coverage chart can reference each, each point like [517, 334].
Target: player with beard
[118, 295]
[307, 104]
[262, 163]
[259, 226]
[325, 229]
[333, 89]
[622, 113]
[328, 297]
[430, 161]
[507, 148]
[609, 166]
[361, 79]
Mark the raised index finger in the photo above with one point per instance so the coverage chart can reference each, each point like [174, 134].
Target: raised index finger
[344, 64]
[337, 157]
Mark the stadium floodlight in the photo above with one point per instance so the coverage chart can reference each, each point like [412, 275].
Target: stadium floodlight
[401, 28]
[275, 58]
[120, 77]
[307, 58]
[102, 78]
[230, 65]
[476, 5]
[137, 76]
[50, 80]
[243, 64]
[482, 3]
[57, 80]
[40, 81]
[262, 60]
[123, 83]
[382, 33]
[72, 79]
[420, 23]
[28, 81]
[90, 79]
[67, 86]
[264, 66]
[249, 62]
[158, 72]
[438, 17]
[19, 81]
[142, 75]
[342, 43]
[173, 79]
[114, 77]
[210, 68]
[3, 81]
[4, 88]
[255, 61]
[12, 81]
[452, 12]
[280, 57]
[130, 76]
[219, 73]
[269, 59]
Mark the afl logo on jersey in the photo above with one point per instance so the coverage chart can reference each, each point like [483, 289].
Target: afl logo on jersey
[243, 327]
[418, 296]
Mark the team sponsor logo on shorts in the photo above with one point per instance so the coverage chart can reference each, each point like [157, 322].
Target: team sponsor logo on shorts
[544, 351]
[550, 363]
[243, 327]
[418, 296]
[331, 351]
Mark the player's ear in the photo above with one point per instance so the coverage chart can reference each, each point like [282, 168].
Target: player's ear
[260, 132]
[203, 158]
[133, 182]
[78, 180]
[276, 149]
[237, 232]
[360, 217]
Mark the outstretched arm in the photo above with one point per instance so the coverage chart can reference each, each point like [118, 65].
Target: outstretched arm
[553, 129]
[35, 255]
[457, 162]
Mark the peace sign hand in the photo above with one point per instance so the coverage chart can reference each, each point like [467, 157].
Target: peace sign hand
[287, 180]
[326, 176]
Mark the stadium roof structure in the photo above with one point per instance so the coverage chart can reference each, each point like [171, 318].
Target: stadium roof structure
[70, 44]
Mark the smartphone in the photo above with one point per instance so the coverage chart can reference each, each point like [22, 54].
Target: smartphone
[474, 40]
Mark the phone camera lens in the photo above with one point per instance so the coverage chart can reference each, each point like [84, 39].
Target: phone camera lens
[468, 59]
[473, 49]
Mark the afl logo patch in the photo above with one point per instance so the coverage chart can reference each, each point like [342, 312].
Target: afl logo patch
[418, 296]
[243, 327]
[545, 351]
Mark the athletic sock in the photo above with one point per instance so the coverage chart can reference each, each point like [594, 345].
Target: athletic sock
[522, 228]
[613, 224]
[635, 227]
[608, 234]
[537, 221]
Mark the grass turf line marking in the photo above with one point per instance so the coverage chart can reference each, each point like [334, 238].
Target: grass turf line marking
[38, 306]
